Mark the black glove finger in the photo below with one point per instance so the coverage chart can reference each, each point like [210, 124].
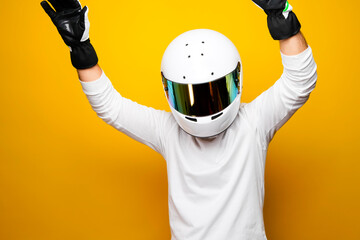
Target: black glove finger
[74, 3]
[71, 4]
[82, 18]
[82, 14]
[48, 9]
[276, 4]
[57, 5]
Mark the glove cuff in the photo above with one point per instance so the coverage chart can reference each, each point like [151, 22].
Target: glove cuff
[283, 28]
[83, 55]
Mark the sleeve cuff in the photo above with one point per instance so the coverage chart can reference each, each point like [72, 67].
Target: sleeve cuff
[298, 61]
[96, 86]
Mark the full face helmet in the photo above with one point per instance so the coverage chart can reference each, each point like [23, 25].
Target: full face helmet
[202, 77]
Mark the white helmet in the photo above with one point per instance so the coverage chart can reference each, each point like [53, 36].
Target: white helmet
[202, 77]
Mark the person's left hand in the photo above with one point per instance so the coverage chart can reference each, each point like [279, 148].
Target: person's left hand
[282, 21]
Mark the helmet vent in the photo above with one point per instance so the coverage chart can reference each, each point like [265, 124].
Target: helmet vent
[191, 119]
[216, 116]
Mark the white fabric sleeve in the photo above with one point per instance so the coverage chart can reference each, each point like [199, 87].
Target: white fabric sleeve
[269, 111]
[144, 124]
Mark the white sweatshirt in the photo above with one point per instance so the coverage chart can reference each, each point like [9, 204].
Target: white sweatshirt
[215, 185]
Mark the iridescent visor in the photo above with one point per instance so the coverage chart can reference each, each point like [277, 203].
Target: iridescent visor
[203, 99]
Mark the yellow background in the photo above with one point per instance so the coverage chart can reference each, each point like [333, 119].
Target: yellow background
[65, 174]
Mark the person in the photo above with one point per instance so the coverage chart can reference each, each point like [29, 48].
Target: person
[215, 148]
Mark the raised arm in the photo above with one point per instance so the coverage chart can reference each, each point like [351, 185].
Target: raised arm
[269, 111]
[144, 124]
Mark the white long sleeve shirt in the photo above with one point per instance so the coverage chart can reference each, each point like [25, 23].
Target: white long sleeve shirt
[215, 185]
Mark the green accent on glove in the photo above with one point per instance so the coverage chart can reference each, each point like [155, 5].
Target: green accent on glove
[286, 6]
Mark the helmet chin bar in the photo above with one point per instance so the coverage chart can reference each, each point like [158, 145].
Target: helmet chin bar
[208, 126]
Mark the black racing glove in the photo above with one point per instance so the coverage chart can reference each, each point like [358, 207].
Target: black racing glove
[282, 22]
[73, 25]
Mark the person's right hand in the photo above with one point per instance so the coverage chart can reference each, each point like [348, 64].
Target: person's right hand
[73, 25]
